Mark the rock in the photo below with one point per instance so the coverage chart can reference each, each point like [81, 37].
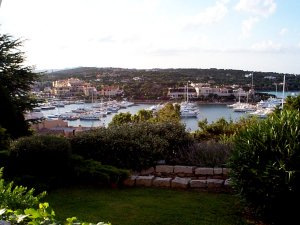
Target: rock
[162, 182]
[198, 184]
[164, 169]
[204, 171]
[179, 182]
[144, 181]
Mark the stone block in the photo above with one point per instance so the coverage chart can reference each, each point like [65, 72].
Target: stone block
[148, 171]
[225, 171]
[198, 184]
[164, 169]
[179, 182]
[204, 171]
[218, 171]
[215, 183]
[162, 182]
[216, 177]
[184, 170]
[130, 181]
[144, 181]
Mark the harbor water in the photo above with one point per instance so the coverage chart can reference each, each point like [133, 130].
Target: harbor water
[211, 112]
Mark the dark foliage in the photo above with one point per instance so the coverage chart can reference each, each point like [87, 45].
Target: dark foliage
[132, 146]
[40, 155]
[15, 86]
[265, 165]
[205, 154]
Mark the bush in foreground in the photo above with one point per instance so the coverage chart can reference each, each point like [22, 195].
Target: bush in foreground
[17, 197]
[40, 155]
[265, 166]
[132, 146]
[205, 154]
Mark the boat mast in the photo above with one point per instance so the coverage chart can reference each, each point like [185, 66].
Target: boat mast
[187, 92]
[283, 87]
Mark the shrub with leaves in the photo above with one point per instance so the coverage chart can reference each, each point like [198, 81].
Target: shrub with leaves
[221, 129]
[17, 197]
[205, 154]
[132, 146]
[265, 166]
[44, 214]
[93, 172]
[40, 155]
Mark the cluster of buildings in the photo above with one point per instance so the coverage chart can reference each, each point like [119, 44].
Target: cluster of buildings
[74, 87]
[196, 90]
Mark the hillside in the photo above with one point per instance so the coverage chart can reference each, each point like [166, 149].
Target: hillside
[173, 77]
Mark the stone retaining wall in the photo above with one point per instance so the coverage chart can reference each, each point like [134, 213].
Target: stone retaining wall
[184, 177]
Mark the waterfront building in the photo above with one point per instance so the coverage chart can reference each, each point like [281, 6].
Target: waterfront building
[181, 92]
[72, 87]
[110, 91]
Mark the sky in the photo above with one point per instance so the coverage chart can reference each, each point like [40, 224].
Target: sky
[252, 35]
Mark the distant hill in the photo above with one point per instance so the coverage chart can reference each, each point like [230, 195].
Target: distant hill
[162, 78]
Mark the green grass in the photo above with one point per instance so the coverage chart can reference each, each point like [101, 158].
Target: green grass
[146, 206]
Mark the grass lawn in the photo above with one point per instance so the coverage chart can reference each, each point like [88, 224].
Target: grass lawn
[145, 206]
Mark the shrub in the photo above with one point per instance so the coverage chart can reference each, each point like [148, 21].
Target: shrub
[205, 154]
[17, 197]
[93, 172]
[132, 146]
[41, 155]
[221, 129]
[265, 166]
[44, 214]
[4, 139]
[41, 161]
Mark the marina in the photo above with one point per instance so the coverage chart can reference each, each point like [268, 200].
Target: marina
[77, 114]
[210, 111]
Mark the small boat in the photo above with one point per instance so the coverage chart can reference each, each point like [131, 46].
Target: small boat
[36, 109]
[188, 113]
[69, 116]
[47, 107]
[53, 116]
[81, 110]
[90, 116]
[58, 104]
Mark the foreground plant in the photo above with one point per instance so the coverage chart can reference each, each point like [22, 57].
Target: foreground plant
[17, 197]
[43, 215]
[265, 166]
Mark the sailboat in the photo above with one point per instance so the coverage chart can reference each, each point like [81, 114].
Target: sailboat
[188, 109]
[264, 108]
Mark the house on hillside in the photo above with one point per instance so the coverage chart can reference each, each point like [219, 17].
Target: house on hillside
[111, 91]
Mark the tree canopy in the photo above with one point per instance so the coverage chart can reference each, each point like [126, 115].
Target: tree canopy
[15, 86]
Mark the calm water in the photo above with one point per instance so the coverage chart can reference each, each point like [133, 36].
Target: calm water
[211, 112]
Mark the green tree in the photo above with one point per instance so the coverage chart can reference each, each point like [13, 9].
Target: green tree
[121, 118]
[142, 116]
[221, 129]
[15, 86]
[169, 113]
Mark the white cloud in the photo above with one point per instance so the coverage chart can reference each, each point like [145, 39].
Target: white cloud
[247, 26]
[211, 14]
[283, 31]
[258, 7]
[266, 46]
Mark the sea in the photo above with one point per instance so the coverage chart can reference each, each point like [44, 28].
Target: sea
[212, 112]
